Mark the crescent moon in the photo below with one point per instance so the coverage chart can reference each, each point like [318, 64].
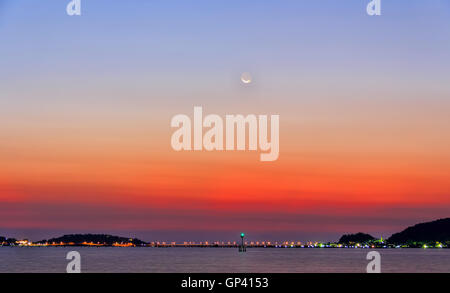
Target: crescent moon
[246, 78]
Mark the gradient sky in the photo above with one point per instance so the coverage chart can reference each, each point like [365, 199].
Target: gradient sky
[86, 103]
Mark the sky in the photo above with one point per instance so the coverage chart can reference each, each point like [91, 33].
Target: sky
[86, 103]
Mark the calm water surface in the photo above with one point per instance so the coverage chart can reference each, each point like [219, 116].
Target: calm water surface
[217, 260]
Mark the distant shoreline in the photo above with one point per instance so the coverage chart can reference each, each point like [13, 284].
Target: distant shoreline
[435, 234]
[222, 247]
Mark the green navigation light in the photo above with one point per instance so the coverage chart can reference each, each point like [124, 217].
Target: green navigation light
[242, 235]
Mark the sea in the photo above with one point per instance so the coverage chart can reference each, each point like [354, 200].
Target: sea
[221, 260]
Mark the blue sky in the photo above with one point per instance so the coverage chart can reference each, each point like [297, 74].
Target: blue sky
[351, 89]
